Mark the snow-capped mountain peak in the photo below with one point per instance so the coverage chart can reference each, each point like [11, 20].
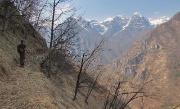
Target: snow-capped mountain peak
[109, 19]
[138, 21]
[121, 32]
[113, 25]
[137, 14]
[99, 27]
[159, 20]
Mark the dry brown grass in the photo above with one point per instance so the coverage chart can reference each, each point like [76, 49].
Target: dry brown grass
[27, 89]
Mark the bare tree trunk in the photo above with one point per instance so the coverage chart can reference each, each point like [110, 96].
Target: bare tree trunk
[51, 40]
[107, 100]
[6, 13]
[115, 95]
[132, 98]
[5, 20]
[85, 63]
[91, 87]
[79, 77]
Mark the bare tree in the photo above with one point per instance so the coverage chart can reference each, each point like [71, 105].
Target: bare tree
[16, 8]
[28, 8]
[39, 20]
[86, 61]
[92, 86]
[115, 96]
[51, 37]
[7, 14]
[120, 99]
[61, 32]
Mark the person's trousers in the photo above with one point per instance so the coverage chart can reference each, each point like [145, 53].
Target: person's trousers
[22, 59]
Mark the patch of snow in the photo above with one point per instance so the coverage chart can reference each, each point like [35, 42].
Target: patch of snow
[105, 29]
[158, 21]
[108, 19]
[138, 14]
[124, 27]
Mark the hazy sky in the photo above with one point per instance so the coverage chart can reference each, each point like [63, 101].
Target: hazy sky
[101, 9]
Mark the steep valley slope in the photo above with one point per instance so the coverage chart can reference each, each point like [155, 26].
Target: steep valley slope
[154, 59]
[28, 87]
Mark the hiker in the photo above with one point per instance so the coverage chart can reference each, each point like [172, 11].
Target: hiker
[21, 48]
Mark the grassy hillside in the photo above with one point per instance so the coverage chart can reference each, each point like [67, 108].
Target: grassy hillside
[28, 87]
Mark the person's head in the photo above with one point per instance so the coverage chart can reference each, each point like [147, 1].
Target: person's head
[22, 41]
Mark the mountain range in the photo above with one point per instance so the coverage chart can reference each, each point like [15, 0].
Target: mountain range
[155, 59]
[119, 31]
[113, 25]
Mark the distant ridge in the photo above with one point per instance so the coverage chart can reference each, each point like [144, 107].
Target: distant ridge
[155, 57]
[119, 31]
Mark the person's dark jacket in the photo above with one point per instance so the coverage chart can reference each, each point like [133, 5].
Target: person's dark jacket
[21, 48]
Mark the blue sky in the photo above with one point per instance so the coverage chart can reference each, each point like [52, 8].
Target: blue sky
[101, 9]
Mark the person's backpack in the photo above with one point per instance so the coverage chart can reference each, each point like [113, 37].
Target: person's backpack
[20, 49]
